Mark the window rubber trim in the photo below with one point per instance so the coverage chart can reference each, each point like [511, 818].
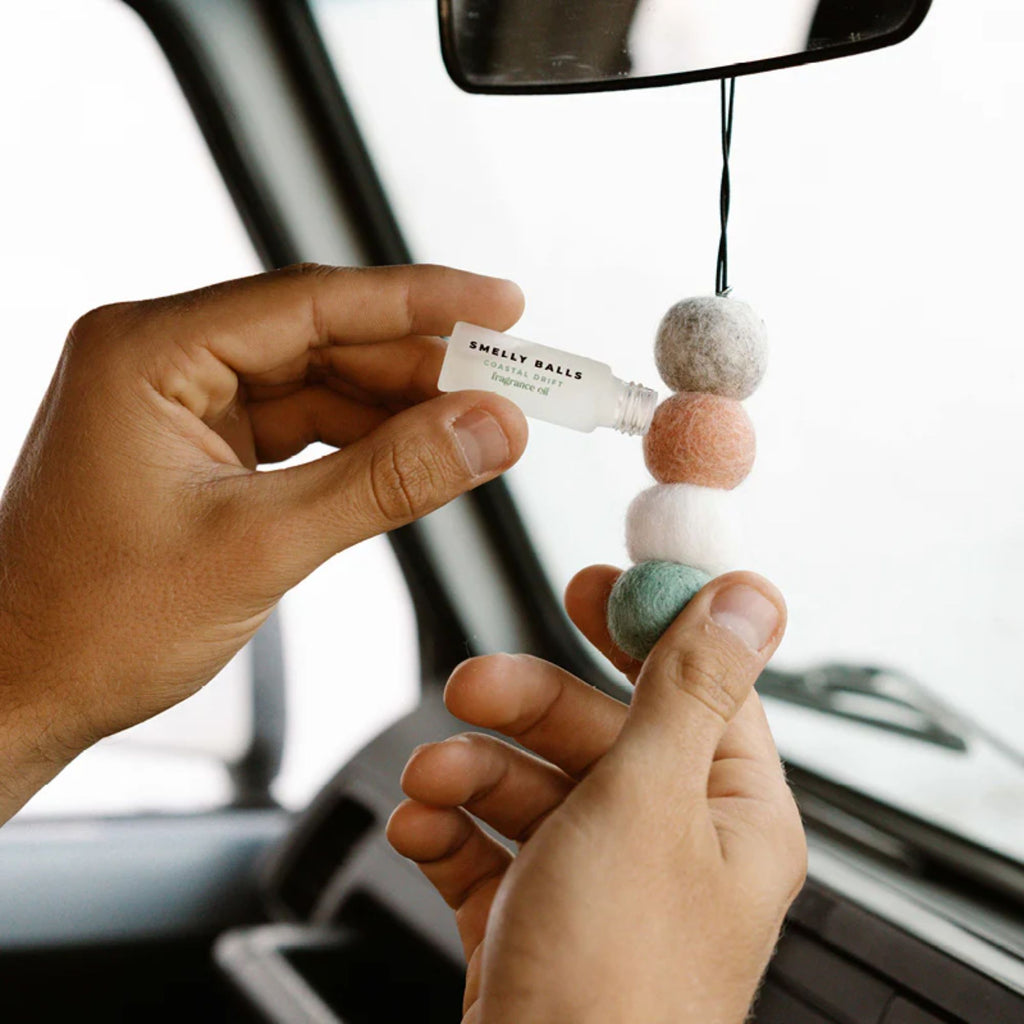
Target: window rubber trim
[931, 853]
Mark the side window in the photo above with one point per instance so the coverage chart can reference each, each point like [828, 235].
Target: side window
[110, 193]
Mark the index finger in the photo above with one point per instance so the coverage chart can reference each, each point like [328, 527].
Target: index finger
[257, 323]
[586, 603]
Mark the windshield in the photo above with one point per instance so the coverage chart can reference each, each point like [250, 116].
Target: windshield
[876, 207]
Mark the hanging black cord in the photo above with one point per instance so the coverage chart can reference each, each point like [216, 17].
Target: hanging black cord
[728, 103]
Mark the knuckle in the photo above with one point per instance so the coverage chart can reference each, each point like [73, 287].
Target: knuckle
[708, 677]
[466, 751]
[403, 483]
[308, 269]
[798, 875]
[96, 327]
[419, 750]
[475, 741]
[792, 876]
[470, 664]
[312, 275]
[785, 827]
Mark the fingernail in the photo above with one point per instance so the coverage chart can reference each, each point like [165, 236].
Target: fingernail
[747, 613]
[483, 442]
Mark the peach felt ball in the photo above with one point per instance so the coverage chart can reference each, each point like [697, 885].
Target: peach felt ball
[700, 439]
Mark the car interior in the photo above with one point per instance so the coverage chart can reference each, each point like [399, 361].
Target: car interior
[253, 906]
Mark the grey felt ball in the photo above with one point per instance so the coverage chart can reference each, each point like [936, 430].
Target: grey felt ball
[714, 345]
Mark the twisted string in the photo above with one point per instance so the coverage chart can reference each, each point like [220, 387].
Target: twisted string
[728, 103]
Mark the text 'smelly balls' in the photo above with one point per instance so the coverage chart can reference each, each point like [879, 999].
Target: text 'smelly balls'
[712, 344]
[646, 599]
[682, 523]
[700, 439]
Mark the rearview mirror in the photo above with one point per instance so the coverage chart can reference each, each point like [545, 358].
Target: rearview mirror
[532, 46]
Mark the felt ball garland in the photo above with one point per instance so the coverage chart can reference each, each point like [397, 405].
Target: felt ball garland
[712, 352]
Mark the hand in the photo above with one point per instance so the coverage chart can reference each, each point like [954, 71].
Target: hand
[140, 549]
[659, 847]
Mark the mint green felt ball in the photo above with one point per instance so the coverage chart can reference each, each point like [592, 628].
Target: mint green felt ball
[645, 601]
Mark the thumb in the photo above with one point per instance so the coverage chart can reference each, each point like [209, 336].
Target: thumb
[413, 463]
[697, 678]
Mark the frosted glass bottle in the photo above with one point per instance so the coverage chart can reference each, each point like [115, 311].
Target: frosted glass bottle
[545, 382]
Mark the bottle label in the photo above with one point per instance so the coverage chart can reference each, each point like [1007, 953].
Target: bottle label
[479, 358]
[544, 382]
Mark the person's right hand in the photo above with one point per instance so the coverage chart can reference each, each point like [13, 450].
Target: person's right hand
[139, 547]
[659, 846]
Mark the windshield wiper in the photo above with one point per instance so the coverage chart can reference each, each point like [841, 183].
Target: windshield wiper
[879, 697]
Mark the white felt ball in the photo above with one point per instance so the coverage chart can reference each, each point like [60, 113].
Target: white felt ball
[684, 523]
[712, 344]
